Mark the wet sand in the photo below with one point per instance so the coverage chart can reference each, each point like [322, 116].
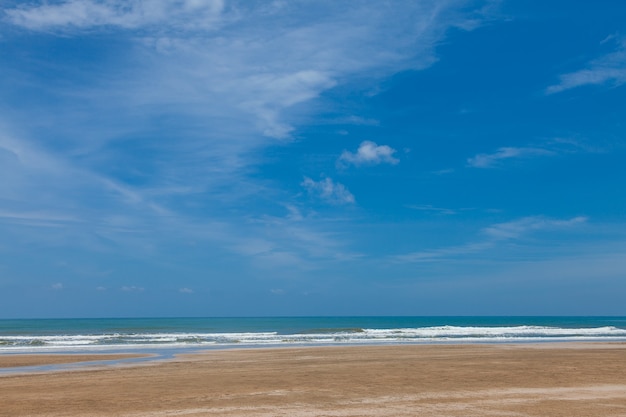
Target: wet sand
[15, 361]
[448, 380]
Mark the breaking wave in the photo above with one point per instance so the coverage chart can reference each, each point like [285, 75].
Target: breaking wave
[434, 334]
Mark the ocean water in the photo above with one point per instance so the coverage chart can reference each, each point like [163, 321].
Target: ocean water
[51, 335]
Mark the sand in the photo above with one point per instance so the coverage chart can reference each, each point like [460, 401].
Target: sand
[448, 380]
[14, 361]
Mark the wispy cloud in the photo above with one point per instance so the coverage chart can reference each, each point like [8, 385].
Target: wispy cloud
[610, 68]
[439, 253]
[185, 290]
[430, 208]
[128, 14]
[219, 78]
[41, 219]
[493, 235]
[552, 147]
[517, 228]
[46, 189]
[294, 241]
[490, 160]
[369, 153]
[244, 66]
[200, 87]
[328, 190]
[124, 218]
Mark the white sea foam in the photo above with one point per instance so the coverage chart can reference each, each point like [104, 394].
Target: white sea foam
[437, 334]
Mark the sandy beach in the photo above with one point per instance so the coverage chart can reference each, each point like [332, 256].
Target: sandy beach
[448, 380]
[16, 361]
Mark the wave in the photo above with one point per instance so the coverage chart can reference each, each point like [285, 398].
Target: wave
[436, 334]
[333, 330]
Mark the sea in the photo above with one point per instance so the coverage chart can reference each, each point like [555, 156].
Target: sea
[175, 334]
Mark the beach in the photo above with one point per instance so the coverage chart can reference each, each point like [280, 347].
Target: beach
[550, 379]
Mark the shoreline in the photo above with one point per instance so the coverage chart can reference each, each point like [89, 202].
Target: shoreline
[18, 360]
[574, 379]
[98, 335]
[12, 363]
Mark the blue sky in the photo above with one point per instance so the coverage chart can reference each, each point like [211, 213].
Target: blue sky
[242, 158]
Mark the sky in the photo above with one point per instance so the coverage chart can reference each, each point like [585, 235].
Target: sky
[271, 158]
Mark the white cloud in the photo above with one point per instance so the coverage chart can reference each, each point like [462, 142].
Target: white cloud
[271, 91]
[551, 147]
[41, 219]
[202, 91]
[128, 14]
[369, 153]
[185, 290]
[259, 58]
[328, 190]
[496, 233]
[485, 160]
[610, 68]
[520, 227]
[57, 286]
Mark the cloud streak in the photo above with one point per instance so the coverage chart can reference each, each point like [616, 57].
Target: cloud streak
[128, 14]
[553, 147]
[610, 68]
[518, 228]
[495, 234]
[490, 160]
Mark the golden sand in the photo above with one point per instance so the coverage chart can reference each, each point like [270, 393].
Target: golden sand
[459, 380]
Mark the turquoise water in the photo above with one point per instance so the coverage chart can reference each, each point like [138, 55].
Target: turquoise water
[40, 335]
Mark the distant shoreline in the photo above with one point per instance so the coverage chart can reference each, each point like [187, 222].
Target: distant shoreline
[65, 360]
